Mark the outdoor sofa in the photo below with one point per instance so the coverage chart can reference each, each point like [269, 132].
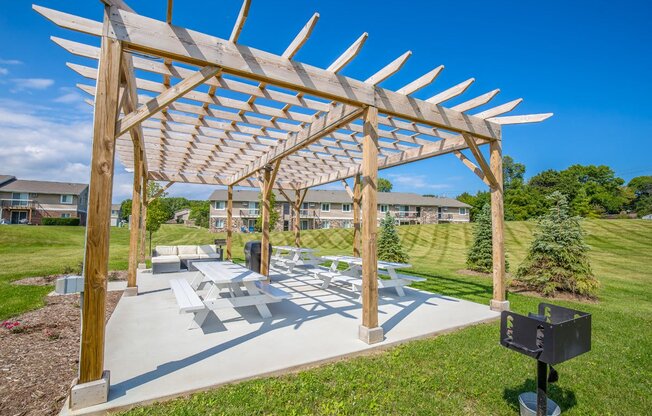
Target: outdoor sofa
[168, 259]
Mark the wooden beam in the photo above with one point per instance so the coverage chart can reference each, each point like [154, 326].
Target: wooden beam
[369, 221]
[165, 98]
[477, 154]
[498, 110]
[421, 82]
[301, 37]
[498, 301]
[229, 222]
[264, 251]
[159, 192]
[347, 188]
[239, 23]
[476, 102]
[142, 255]
[120, 4]
[168, 12]
[472, 166]
[299, 198]
[134, 221]
[451, 92]
[96, 259]
[389, 70]
[340, 114]
[348, 55]
[357, 199]
[528, 118]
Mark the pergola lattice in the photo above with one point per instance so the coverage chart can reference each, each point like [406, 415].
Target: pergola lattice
[182, 106]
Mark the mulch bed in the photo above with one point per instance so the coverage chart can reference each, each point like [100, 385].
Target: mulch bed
[39, 357]
[49, 280]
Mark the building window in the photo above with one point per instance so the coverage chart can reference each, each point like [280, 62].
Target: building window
[462, 211]
[384, 208]
[66, 199]
[219, 223]
[346, 207]
[347, 224]
[19, 199]
[325, 207]
[219, 205]
[325, 224]
[65, 215]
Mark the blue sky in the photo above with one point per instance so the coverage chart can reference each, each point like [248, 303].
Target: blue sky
[589, 62]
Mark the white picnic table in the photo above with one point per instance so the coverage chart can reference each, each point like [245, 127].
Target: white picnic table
[290, 257]
[225, 275]
[352, 274]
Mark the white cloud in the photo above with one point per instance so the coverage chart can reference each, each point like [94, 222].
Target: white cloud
[10, 62]
[31, 84]
[407, 182]
[68, 98]
[4, 71]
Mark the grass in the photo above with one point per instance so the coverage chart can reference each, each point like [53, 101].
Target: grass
[466, 372]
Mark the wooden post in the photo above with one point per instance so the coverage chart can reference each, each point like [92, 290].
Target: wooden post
[498, 302]
[357, 242]
[229, 221]
[134, 223]
[96, 260]
[369, 331]
[264, 252]
[296, 207]
[143, 222]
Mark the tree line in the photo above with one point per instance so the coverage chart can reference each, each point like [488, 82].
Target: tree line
[591, 191]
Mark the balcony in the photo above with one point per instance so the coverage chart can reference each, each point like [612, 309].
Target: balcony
[17, 203]
[308, 213]
[445, 217]
[407, 214]
[249, 213]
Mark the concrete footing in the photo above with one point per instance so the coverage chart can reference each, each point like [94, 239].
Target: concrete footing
[89, 394]
[499, 305]
[371, 335]
[130, 291]
[142, 266]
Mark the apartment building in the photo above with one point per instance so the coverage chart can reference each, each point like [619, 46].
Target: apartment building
[28, 202]
[334, 209]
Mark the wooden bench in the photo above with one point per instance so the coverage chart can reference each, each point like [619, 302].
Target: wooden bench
[273, 292]
[411, 278]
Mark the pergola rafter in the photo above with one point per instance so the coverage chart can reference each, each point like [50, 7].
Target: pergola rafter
[212, 111]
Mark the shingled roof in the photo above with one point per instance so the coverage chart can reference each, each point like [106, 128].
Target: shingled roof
[42, 187]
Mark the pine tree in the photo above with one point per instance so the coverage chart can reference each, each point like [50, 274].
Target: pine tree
[389, 244]
[557, 259]
[480, 255]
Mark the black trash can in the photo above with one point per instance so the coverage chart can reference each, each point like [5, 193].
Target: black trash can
[252, 251]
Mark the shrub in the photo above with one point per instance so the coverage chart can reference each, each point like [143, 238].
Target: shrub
[480, 255]
[389, 244]
[557, 259]
[60, 221]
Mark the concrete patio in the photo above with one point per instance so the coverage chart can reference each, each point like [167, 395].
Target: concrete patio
[152, 355]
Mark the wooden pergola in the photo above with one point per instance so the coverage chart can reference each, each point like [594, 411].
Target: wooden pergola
[183, 106]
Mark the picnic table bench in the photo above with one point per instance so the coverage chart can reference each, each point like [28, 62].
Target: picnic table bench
[290, 257]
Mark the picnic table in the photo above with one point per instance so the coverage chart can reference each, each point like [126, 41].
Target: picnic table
[353, 272]
[290, 257]
[225, 275]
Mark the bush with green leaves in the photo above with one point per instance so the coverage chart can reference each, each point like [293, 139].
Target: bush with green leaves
[389, 244]
[480, 255]
[558, 257]
[60, 221]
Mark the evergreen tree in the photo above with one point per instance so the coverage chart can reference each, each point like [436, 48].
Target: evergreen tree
[557, 259]
[389, 244]
[480, 255]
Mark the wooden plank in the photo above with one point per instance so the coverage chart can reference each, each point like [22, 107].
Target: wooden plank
[472, 166]
[498, 110]
[389, 70]
[120, 4]
[357, 199]
[165, 98]
[142, 255]
[477, 154]
[369, 292]
[301, 37]
[522, 119]
[451, 92]
[264, 251]
[69, 21]
[497, 222]
[229, 222]
[348, 55]
[168, 12]
[476, 102]
[347, 188]
[339, 115]
[91, 361]
[239, 23]
[421, 82]
[134, 221]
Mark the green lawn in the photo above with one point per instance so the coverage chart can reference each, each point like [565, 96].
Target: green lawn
[466, 372]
